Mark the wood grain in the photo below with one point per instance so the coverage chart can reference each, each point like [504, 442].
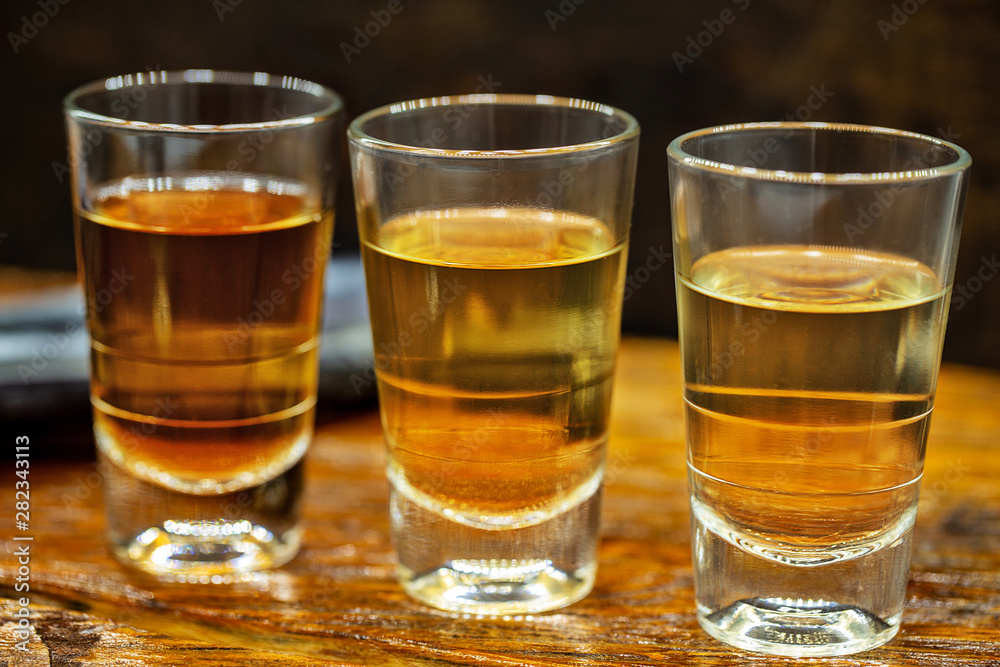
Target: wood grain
[338, 600]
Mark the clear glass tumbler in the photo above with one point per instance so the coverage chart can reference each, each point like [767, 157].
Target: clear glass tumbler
[203, 208]
[814, 265]
[494, 232]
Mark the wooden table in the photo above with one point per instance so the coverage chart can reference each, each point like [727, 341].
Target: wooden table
[338, 599]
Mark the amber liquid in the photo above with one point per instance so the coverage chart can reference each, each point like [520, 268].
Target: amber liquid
[495, 333]
[204, 296]
[809, 381]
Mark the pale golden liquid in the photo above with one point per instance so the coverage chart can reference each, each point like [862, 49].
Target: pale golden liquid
[495, 335]
[205, 360]
[809, 380]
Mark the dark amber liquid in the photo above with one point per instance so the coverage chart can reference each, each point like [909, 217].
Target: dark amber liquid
[809, 383]
[204, 298]
[495, 334]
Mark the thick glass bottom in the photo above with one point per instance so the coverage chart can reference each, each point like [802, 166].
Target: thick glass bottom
[798, 628]
[498, 587]
[201, 538]
[457, 567]
[215, 549]
[850, 603]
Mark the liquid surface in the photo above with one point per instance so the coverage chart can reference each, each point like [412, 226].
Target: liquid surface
[203, 296]
[809, 382]
[495, 334]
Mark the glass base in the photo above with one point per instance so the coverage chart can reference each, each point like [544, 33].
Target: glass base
[207, 549]
[498, 587]
[797, 628]
[453, 566]
[751, 597]
[201, 538]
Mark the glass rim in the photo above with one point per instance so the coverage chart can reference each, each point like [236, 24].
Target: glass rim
[358, 136]
[332, 105]
[676, 153]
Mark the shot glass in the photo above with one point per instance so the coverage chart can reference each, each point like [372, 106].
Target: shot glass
[203, 206]
[814, 265]
[494, 231]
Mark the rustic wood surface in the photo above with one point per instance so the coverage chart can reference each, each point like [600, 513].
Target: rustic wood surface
[338, 600]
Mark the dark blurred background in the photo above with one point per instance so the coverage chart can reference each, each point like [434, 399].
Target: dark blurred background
[923, 65]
